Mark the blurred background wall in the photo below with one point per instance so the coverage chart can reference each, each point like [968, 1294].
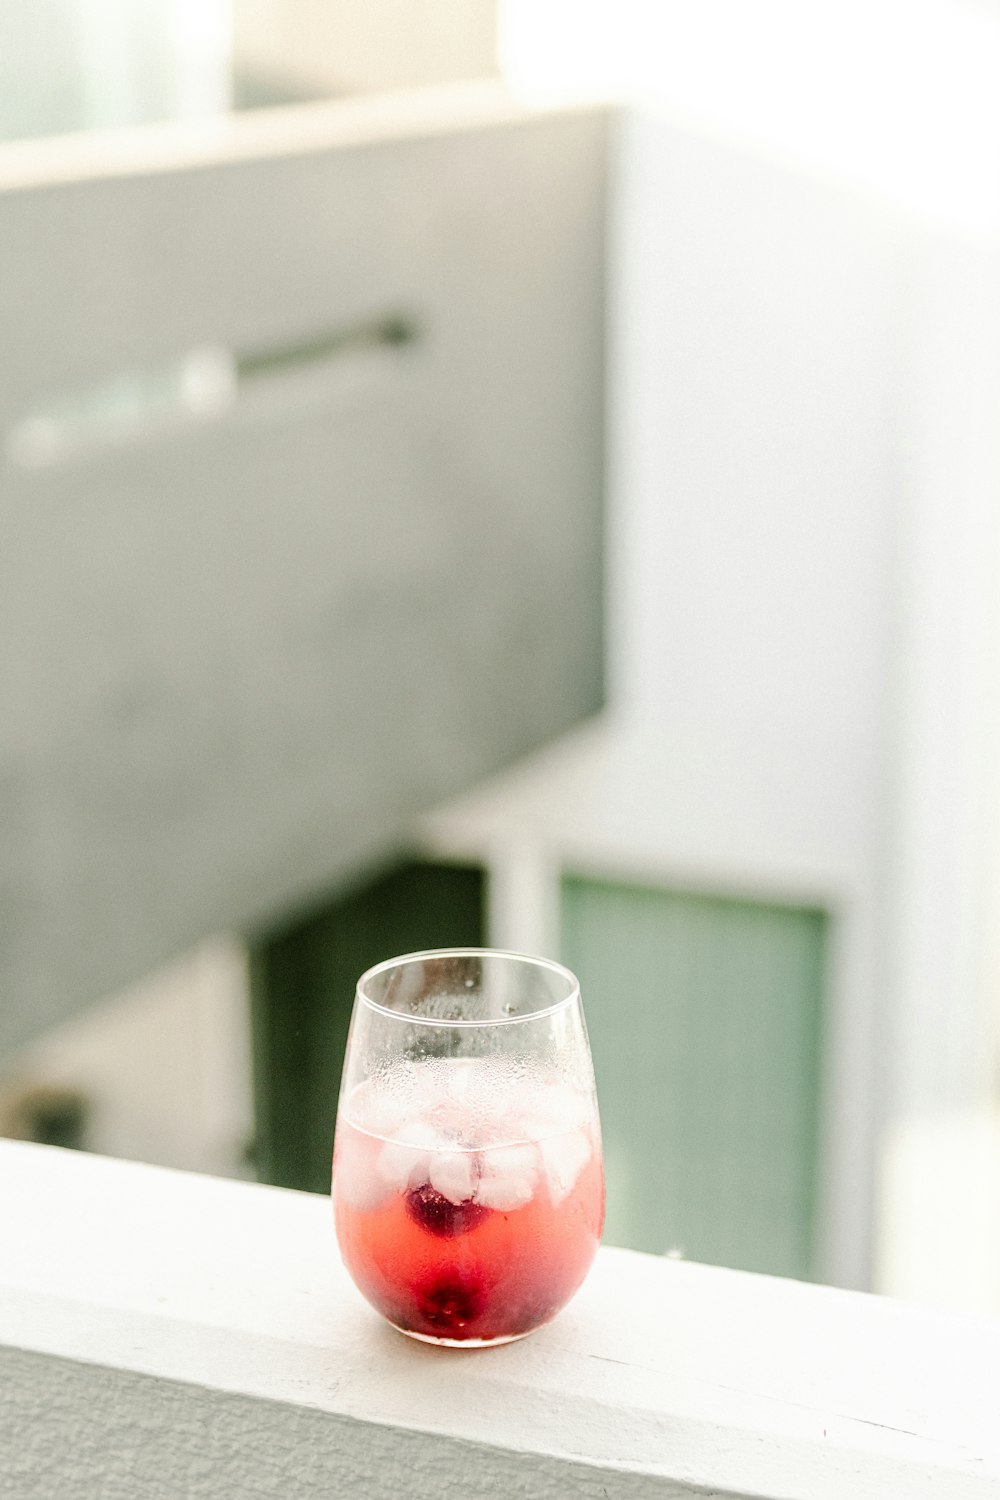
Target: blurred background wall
[774, 860]
[316, 50]
[97, 64]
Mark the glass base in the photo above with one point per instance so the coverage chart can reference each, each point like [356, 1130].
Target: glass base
[429, 1338]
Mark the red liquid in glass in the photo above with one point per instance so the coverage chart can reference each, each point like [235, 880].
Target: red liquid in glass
[494, 1255]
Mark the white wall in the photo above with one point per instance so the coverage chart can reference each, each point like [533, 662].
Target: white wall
[841, 88]
[939, 1223]
[754, 348]
[350, 46]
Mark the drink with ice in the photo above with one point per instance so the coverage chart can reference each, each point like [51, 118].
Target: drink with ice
[468, 1185]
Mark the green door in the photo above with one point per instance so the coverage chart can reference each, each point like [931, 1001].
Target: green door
[704, 1020]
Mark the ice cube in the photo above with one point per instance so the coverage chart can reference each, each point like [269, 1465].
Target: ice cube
[453, 1174]
[385, 1114]
[381, 1105]
[560, 1107]
[564, 1158]
[404, 1162]
[357, 1182]
[459, 1077]
[508, 1177]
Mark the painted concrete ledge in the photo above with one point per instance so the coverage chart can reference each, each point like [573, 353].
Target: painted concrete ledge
[169, 1335]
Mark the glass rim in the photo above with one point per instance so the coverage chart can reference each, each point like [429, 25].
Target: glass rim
[531, 959]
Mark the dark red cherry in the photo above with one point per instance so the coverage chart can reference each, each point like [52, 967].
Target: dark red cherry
[438, 1215]
[449, 1305]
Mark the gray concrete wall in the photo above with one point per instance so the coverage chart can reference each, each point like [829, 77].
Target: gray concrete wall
[241, 644]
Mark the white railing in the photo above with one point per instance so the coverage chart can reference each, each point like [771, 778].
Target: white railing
[169, 1335]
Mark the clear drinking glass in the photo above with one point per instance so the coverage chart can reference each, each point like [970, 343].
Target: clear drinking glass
[468, 1184]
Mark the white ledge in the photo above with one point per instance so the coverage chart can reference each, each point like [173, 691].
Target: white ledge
[165, 1334]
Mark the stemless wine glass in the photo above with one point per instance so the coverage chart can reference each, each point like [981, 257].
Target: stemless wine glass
[468, 1185]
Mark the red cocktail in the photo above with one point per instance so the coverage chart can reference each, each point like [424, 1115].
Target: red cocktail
[469, 1224]
[468, 1185]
